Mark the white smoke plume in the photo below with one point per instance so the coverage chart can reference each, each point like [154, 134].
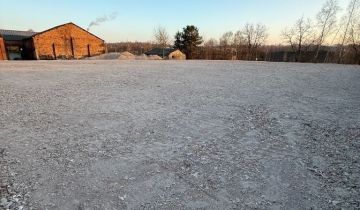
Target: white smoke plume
[103, 19]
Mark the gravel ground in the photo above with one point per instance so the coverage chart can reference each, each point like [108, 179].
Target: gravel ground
[179, 135]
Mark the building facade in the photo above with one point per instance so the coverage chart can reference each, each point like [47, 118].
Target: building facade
[3, 55]
[67, 41]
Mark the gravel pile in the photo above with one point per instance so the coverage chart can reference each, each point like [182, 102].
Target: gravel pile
[106, 56]
[124, 56]
[142, 57]
[154, 57]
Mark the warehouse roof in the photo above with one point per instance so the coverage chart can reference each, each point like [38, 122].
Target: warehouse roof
[12, 35]
[70, 23]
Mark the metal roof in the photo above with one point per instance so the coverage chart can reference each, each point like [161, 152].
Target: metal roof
[11, 35]
[160, 51]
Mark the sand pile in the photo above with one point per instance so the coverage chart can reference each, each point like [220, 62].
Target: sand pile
[127, 56]
[142, 57]
[107, 56]
[124, 56]
[154, 57]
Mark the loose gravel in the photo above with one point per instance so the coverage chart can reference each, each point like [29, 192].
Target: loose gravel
[179, 135]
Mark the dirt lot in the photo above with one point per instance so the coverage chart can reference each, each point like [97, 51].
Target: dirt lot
[179, 135]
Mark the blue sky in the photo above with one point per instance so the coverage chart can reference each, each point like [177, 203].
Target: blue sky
[137, 19]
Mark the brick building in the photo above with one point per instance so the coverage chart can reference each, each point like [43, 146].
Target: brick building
[2, 49]
[67, 41]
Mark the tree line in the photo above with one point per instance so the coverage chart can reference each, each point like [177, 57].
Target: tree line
[326, 38]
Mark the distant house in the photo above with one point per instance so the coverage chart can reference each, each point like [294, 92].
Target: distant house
[67, 41]
[167, 53]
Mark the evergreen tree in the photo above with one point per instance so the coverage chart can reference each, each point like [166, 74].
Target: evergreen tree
[178, 41]
[188, 40]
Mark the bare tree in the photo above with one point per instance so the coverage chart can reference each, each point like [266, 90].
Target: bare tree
[226, 38]
[255, 36]
[238, 39]
[226, 41]
[238, 42]
[162, 37]
[354, 38]
[352, 13]
[210, 47]
[326, 20]
[354, 42]
[211, 43]
[299, 37]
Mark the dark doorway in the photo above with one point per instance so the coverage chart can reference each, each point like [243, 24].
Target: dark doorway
[54, 51]
[72, 47]
[88, 49]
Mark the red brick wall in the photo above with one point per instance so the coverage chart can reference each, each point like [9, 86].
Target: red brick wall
[2, 50]
[64, 38]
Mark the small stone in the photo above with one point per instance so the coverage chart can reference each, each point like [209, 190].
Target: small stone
[335, 202]
[3, 202]
[122, 197]
[196, 174]
[8, 205]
